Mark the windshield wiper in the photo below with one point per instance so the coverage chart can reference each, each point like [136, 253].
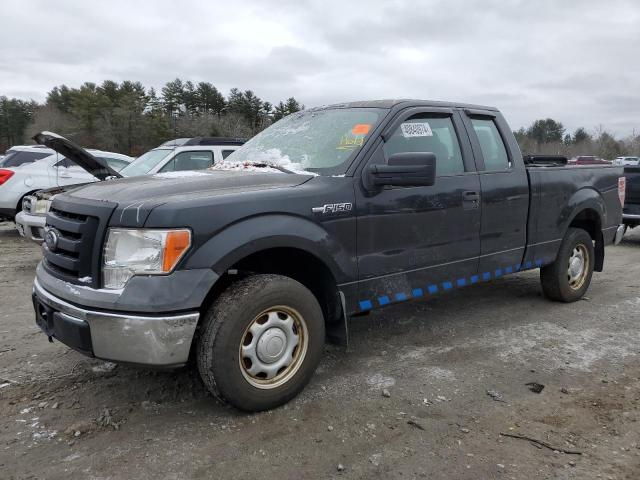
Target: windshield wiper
[268, 165]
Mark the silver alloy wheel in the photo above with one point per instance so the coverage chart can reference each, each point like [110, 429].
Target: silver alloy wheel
[273, 347]
[578, 267]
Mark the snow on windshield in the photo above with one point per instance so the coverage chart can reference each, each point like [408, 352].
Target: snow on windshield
[321, 141]
[270, 158]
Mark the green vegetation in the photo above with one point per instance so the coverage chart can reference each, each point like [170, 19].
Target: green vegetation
[126, 117]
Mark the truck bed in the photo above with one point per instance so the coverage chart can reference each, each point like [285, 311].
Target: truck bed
[561, 187]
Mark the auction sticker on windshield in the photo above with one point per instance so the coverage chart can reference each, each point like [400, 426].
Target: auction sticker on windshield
[421, 129]
[361, 129]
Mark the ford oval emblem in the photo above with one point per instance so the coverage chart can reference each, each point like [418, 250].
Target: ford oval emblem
[51, 239]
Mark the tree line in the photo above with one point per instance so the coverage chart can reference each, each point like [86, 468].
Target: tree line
[129, 118]
[548, 136]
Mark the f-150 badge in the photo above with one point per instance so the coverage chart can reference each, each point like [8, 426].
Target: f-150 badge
[333, 208]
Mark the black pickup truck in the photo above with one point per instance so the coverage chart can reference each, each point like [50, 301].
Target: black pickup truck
[631, 210]
[329, 213]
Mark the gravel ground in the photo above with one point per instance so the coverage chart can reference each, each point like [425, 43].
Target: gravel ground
[424, 391]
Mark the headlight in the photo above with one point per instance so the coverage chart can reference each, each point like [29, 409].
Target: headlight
[130, 252]
[42, 206]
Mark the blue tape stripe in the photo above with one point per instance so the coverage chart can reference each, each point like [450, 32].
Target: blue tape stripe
[448, 285]
[366, 305]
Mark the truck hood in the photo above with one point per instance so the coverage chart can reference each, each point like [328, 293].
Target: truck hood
[175, 186]
[78, 155]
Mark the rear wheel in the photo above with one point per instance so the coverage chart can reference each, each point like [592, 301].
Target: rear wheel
[569, 277]
[261, 341]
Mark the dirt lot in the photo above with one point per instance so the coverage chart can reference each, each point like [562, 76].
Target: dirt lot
[68, 416]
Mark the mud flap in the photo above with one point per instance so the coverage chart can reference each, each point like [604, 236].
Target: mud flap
[338, 331]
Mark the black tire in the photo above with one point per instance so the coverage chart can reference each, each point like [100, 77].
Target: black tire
[226, 326]
[556, 283]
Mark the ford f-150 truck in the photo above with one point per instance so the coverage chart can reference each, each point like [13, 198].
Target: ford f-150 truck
[329, 213]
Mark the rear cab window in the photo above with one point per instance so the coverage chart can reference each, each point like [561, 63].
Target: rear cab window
[492, 146]
[428, 133]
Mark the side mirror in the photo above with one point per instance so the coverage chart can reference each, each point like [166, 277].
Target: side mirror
[408, 169]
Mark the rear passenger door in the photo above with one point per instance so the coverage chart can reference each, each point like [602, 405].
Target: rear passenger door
[505, 193]
[417, 241]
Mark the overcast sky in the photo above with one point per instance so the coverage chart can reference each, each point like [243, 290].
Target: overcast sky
[575, 61]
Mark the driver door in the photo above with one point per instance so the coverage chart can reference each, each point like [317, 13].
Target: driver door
[418, 241]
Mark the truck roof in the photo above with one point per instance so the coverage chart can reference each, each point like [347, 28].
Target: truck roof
[390, 103]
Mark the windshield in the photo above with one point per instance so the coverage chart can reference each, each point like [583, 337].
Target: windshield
[145, 163]
[318, 141]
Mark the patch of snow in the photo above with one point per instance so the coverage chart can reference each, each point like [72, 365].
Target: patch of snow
[271, 158]
[104, 367]
[2, 385]
[560, 347]
[85, 280]
[26, 410]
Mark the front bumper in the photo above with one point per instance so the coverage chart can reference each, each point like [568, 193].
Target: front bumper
[31, 226]
[153, 340]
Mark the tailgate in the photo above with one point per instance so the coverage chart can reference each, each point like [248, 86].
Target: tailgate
[632, 175]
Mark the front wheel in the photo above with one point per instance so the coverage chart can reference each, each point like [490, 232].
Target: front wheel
[568, 278]
[261, 341]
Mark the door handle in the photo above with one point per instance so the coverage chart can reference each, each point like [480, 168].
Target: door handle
[470, 200]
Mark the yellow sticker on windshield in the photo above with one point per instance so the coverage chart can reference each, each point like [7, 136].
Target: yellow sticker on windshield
[347, 142]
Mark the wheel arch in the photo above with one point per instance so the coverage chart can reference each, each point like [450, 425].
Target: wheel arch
[588, 213]
[284, 245]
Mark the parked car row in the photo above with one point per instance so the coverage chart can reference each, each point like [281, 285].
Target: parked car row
[34, 174]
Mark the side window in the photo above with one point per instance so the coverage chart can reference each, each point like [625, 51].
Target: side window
[226, 153]
[491, 144]
[189, 161]
[65, 162]
[424, 133]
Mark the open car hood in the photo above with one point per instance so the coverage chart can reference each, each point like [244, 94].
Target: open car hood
[95, 166]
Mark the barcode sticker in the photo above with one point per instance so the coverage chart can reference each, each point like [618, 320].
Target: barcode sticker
[421, 129]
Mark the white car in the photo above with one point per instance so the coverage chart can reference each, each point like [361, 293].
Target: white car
[54, 170]
[185, 154]
[193, 154]
[627, 161]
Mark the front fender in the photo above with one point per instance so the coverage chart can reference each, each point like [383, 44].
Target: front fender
[262, 232]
